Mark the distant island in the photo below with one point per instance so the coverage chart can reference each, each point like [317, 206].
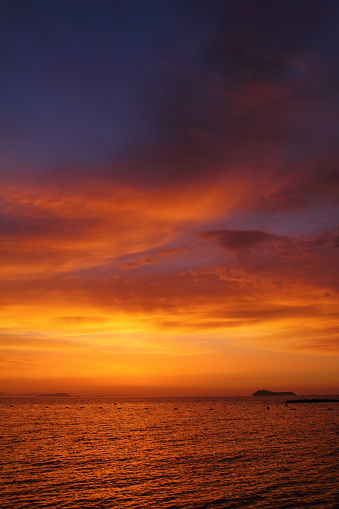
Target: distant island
[270, 393]
[55, 395]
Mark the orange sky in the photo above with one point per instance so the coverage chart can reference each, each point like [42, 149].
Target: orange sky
[169, 202]
[110, 288]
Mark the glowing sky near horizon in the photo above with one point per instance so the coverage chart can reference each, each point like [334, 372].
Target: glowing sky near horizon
[169, 202]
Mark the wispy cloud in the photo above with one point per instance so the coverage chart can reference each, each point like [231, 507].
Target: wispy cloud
[174, 195]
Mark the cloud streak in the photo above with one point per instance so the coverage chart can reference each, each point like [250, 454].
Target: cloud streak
[170, 191]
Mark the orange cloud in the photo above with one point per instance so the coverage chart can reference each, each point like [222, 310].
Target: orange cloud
[191, 307]
[48, 229]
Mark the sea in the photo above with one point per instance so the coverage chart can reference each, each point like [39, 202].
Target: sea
[236, 452]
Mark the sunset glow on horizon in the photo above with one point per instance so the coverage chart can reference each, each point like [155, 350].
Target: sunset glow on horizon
[170, 199]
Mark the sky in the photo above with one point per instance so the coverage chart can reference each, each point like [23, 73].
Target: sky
[169, 199]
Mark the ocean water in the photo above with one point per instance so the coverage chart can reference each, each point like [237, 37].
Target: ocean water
[168, 453]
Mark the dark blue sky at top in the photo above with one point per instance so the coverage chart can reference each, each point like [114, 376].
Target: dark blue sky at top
[169, 190]
[162, 90]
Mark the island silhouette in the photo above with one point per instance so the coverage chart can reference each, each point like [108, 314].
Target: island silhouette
[263, 392]
[55, 395]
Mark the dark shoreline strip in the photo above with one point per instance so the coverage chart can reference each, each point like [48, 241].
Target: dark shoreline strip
[312, 401]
